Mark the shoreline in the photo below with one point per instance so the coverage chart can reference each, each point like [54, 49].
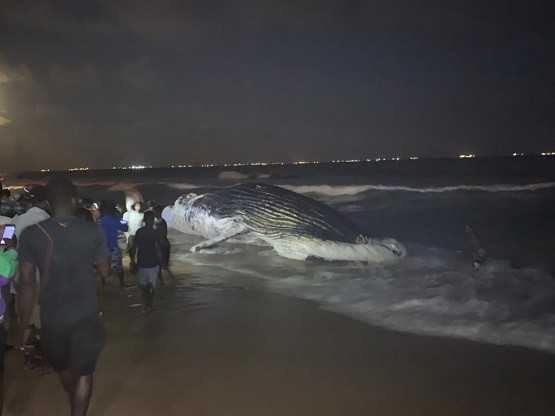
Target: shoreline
[212, 350]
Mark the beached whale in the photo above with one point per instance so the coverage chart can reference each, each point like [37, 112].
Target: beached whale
[297, 227]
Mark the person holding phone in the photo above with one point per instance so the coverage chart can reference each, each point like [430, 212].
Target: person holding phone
[8, 234]
[8, 266]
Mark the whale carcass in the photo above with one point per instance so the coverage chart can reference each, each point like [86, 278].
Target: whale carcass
[295, 226]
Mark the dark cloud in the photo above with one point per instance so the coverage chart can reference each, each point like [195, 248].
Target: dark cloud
[110, 82]
[85, 75]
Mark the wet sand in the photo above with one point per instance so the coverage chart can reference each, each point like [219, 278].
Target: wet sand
[209, 350]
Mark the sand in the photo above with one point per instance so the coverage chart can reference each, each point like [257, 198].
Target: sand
[211, 350]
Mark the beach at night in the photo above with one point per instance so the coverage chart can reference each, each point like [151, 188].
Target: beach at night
[355, 199]
[211, 350]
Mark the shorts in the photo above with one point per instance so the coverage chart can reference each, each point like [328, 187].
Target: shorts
[3, 340]
[75, 346]
[130, 242]
[148, 275]
[116, 259]
[165, 255]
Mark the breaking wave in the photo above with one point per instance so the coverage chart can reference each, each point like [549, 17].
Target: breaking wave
[175, 185]
[341, 190]
[431, 292]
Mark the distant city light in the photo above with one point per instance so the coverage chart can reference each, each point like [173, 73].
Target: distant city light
[280, 163]
[132, 167]
[343, 161]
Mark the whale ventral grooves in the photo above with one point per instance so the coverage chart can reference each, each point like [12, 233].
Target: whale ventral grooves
[272, 210]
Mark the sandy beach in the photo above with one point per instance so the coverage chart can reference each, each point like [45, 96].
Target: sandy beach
[214, 350]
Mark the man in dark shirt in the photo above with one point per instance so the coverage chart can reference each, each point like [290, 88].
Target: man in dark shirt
[112, 226]
[64, 249]
[165, 247]
[147, 251]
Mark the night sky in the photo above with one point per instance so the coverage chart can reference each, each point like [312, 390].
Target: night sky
[98, 83]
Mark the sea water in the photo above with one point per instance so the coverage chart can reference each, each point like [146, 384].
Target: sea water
[435, 290]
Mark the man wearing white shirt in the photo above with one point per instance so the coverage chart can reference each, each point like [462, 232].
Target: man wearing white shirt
[33, 216]
[36, 212]
[134, 218]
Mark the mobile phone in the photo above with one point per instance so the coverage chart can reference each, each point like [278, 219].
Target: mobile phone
[7, 233]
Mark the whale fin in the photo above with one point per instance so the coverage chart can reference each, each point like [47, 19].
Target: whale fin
[215, 241]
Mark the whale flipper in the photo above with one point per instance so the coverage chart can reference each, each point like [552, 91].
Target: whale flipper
[215, 241]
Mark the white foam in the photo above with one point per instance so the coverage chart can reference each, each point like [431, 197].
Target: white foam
[341, 190]
[181, 185]
[123, 186]
[433, 292]
[231, 175]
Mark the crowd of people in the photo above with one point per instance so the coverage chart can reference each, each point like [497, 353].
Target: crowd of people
[49, 269]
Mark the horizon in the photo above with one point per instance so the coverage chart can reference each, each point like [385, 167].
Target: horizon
[239, 164]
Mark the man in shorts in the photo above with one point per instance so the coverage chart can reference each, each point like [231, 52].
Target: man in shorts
[64, 249]
[146, 253]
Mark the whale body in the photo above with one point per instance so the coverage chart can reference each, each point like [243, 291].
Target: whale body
[296, 226]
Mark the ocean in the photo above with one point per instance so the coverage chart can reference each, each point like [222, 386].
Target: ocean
[425, 204]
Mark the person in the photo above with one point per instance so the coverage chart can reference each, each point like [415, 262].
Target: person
[112, 226]
[64, 249]
[165, 246]
[473, 248]
[84, 214]
[36, 211]
[91, 206]
[8, 265]
[146, 250]
[134, 218]
[6, 203]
